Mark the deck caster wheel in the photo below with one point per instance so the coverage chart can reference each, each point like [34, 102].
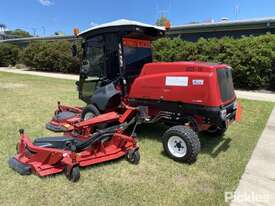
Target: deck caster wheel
[181, 144]
[133, 156]
[74, 175]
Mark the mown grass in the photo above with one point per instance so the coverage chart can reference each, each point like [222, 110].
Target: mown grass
[28, 102]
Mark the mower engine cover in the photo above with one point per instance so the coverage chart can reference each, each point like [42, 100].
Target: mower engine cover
[187, 88]
[185, 82]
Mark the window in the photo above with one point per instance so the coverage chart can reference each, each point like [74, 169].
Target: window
[136, 54]
[94, 56]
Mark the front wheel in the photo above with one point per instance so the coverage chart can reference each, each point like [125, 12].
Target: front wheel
[181, 144]
[90, 111]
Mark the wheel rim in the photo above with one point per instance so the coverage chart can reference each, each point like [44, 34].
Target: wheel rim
[177, 146]
[89, 115]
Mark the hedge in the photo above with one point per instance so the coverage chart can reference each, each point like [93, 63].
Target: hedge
[252, 58]
[8, 54]
[52, 56]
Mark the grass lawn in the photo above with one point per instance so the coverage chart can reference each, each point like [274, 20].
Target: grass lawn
[28, 102]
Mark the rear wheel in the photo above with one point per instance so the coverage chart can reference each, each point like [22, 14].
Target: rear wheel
[181, 144]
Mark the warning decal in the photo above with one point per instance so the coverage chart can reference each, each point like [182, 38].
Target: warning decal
[176, 81]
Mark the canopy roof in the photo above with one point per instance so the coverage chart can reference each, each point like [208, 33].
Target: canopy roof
[119, 23]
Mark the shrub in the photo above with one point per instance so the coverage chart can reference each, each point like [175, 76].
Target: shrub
[252, 58]
[8, 54]
[20, 66]
[50, 56]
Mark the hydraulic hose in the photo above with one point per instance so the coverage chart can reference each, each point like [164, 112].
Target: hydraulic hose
[94, 138]
[101, 134]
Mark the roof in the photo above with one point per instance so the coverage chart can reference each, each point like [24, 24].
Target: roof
[121, 22]
[226, 24]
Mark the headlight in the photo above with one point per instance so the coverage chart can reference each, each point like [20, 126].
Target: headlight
[223, 113]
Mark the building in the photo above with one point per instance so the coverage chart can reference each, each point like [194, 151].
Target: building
[225, 27]
[2, 36]
[5, 36]
[189, 32]
[23, 42]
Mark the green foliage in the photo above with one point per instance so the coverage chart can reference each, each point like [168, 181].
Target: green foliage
[50, 56]
[19, 33]
[8, 54]
[252, 58]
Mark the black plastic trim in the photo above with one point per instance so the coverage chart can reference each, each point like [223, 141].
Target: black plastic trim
[19, 167]
[212, 113]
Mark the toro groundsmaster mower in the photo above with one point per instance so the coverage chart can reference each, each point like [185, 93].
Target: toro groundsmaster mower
[122, 87]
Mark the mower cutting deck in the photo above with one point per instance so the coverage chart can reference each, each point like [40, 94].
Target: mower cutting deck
[78, 147]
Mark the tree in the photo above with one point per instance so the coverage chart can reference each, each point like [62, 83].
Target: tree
[162, 21]
[8, 54]
[19, 33]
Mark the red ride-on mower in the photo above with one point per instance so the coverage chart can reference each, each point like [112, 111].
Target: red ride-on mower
[117, 69]
[80, 145]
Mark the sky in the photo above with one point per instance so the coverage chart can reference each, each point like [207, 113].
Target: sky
[44, 17]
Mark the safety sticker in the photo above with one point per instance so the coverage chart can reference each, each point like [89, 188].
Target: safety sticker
[176, 81]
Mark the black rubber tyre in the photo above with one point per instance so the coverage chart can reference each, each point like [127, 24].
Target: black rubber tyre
[92, 110]
[133, 156]
[181, 144]
[89, 109]
[74, 174]
[216, 131]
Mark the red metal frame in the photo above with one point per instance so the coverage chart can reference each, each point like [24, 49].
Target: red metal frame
[47, 161]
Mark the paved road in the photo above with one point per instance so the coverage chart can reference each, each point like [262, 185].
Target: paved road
[37, 73]
[256, 95]
[257, 185]
[240, 94]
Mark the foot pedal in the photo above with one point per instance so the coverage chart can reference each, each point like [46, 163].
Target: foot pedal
[19, 167]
